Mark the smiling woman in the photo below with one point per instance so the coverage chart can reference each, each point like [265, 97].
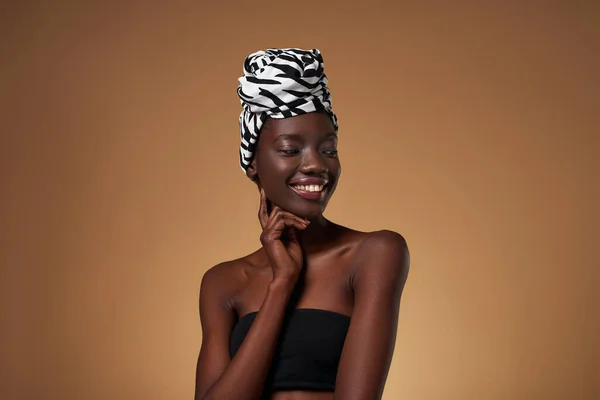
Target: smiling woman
[313, 313]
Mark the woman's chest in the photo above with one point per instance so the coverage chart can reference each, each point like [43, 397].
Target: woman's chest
[325, 283]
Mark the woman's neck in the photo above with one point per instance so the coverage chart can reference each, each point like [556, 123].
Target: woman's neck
[318, 232]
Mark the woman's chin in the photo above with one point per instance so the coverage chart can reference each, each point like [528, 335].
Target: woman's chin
[311, 212]
[314, 216]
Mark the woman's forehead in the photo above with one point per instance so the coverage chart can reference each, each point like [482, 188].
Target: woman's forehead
[305, 126]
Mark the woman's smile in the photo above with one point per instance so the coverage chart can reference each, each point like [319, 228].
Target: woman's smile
[310, 192]
[310, 188]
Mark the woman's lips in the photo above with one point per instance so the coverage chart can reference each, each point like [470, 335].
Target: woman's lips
[308, 194]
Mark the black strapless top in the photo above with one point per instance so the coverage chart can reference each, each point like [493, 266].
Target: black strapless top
[308, 351]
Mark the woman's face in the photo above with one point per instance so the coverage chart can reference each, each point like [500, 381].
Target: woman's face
[296, 163]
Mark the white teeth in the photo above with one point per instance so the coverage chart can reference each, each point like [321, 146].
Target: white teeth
[310, 188]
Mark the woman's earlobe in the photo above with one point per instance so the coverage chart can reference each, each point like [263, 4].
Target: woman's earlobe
[251, 172]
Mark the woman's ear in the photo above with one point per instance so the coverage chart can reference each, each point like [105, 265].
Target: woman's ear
[252, 173]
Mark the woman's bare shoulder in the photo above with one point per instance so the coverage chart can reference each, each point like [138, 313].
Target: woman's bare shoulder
[221, 284]
[385, 237]
[384, 254]
[368, 246]
[366, 240]
[229, 274]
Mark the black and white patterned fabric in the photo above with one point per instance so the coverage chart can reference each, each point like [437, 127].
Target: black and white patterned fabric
[280, 83]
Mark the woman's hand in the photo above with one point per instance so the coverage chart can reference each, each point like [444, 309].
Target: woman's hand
[280, 241]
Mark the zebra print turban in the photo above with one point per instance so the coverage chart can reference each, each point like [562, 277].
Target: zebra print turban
[279, 83]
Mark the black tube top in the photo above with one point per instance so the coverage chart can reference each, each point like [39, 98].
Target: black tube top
[308, 351]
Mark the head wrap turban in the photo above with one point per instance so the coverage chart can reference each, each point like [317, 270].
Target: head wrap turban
[279, 83]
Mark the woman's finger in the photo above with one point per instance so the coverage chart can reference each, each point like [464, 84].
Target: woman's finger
[287, 222]
[273, 219]
[279, 222]
[289, 214]
[263, 216]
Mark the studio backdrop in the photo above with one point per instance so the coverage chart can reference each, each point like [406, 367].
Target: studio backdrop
[470, 128]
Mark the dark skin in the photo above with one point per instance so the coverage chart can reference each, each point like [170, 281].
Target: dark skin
[305, 261]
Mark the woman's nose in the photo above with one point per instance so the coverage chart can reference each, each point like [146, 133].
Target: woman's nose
[313, 162]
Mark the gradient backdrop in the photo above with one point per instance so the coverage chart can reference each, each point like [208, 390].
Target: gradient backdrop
[471, 128]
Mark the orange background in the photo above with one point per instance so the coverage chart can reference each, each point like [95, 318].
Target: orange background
[471, 128]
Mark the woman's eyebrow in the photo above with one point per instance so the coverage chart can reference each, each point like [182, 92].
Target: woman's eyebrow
[288, 136]
[297, 136]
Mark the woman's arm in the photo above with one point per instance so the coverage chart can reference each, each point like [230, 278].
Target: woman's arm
[243, 377]
[380, 273]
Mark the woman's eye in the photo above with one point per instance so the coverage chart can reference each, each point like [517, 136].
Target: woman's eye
[289, 152]
[331, 152]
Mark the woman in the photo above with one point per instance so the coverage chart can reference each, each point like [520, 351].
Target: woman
[312, 314]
